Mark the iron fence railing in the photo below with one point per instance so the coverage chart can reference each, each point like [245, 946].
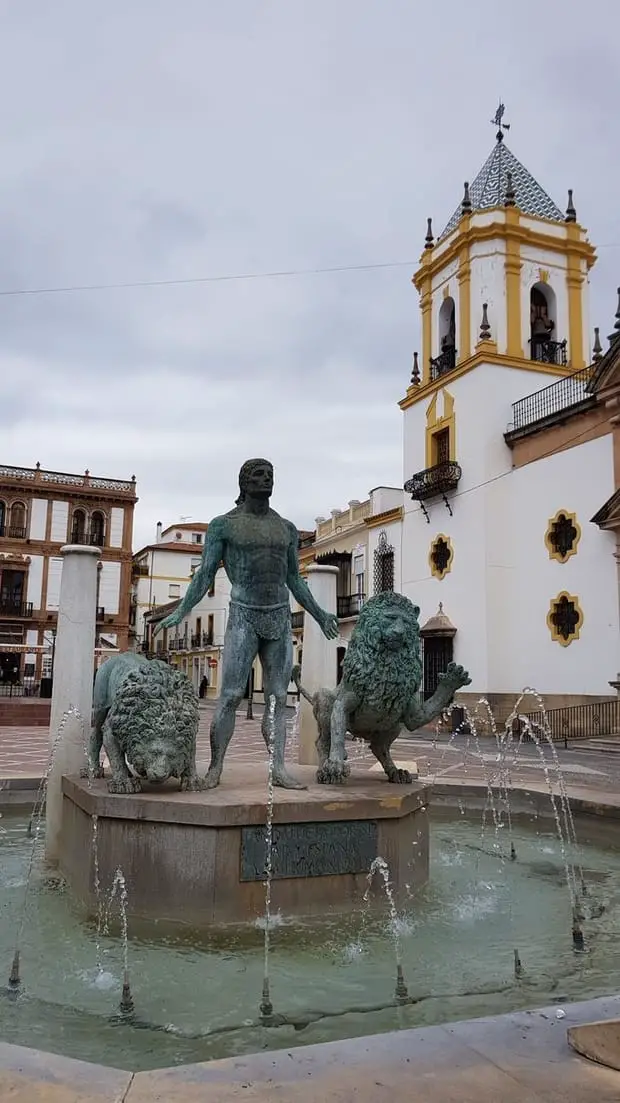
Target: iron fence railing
[27, 687]
[574, 721]
[548, 352]
[11, 608]
[554, 399]
[13, 532]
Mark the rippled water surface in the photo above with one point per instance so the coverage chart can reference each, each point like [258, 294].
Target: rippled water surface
[197, 995]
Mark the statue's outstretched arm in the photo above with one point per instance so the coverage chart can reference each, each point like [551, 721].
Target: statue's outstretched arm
[204, 576]
[300, 591]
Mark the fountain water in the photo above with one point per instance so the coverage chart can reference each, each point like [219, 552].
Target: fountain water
[380, 866]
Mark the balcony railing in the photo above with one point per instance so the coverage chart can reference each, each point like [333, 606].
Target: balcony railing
[444, 363]
[297, 619]
[178, 644]
[548, 352]
[349, 605]
[202, 639]
[13, 532]
[558, 397]
[88, 539]
[11, 608]
[434, 481]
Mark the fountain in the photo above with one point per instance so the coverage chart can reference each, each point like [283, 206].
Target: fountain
[252, 913]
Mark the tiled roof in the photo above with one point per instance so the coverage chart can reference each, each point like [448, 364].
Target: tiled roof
[489, 189]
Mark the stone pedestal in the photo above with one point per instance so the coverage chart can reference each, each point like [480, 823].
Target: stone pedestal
[74, 667]
[199, 858]
[319, 660]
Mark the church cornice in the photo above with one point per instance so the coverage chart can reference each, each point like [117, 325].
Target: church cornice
[470, 232]
[482, 356]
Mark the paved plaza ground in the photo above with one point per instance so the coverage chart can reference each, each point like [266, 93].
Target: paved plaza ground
[24, 752]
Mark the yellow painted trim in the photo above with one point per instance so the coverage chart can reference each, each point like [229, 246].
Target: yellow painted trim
[426, 309]
[463, 339]
[553, 553]
[535, 239]
[385, 518]
[417, 394]
[555, 635]
[434, 569]
[436, 425]
[513, 265]
[575, 280]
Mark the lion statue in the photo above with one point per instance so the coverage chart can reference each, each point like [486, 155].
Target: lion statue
[379, 691]
[145, 715]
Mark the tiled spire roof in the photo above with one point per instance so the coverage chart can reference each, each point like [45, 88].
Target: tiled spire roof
[490, 186]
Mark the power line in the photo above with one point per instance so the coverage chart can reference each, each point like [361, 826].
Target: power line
[237, 277]
[284, 274]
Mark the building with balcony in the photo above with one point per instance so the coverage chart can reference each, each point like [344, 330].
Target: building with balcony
[162, 571]
[40, 511]
[511, 451]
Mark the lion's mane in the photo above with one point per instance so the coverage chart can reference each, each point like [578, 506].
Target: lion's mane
[385, 681]
[155, 703]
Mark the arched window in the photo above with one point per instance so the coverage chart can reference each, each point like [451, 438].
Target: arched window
[78, 526]
[97, 528]
[17, 523]
[2, 518]
[446, 360]
[544, 344]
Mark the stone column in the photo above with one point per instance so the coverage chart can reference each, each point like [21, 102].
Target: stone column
[74, 664]
[319, 657]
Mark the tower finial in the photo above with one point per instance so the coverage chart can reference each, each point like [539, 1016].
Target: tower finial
[415, 374]
[497, 121]
[429, 240]
[571, 213]
[509, 197]
[466, 206]
[485, 329]
[597, 348]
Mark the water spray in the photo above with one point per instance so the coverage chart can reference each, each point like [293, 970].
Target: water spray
[519, 970]
[126, 1006]
[266, 1006]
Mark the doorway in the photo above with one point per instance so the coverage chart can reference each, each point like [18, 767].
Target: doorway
[10, 662]
[438, 653]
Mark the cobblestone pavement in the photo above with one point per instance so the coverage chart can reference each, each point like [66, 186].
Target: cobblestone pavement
[24, 752]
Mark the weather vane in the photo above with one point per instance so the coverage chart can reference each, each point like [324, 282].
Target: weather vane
[497, 121]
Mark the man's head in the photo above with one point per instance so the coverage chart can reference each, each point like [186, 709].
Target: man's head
[255, 479]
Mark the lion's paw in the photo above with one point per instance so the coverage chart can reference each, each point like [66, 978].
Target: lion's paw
[400, 777]
[332, 772]
[192, 784]
[455, 676]
[124, 785]
[86, 772]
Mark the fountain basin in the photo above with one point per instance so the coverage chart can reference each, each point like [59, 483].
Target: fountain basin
[199, 858]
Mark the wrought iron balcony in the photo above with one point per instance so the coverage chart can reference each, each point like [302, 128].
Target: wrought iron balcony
[349, 605]
[535, 409]
[11, 608]
[13, 532]
[444, 363]
[548, 352]
[201, 639]
[434, 482]
[90, 539]
[297, 619]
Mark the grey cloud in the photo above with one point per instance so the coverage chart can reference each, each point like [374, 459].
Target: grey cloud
[155, 142]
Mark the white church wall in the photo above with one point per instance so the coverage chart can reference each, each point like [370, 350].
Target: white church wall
[488, 285]
[523, 580]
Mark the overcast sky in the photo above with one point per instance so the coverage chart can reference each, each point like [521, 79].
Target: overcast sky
[172, 140]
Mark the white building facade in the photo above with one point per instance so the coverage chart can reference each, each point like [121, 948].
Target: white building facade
[491, 491]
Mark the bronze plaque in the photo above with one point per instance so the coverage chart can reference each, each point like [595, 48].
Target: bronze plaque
[309, 849]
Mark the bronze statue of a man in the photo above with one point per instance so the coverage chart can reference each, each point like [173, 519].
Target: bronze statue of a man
[259, 551]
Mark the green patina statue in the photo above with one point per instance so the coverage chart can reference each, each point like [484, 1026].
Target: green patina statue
[259, 551]
[379, 692]
[145, 715]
